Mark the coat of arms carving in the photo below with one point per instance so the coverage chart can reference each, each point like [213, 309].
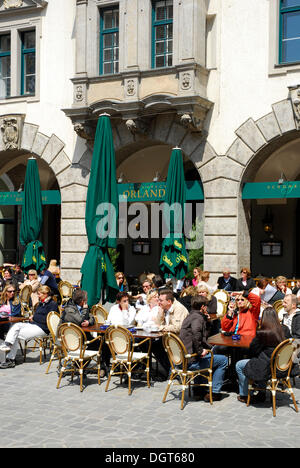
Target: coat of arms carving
[10, 131]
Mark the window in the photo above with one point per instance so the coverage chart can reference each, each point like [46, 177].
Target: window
[109, 41]
[28, 62]
[4, 65]
[289, 33]
[162, 33]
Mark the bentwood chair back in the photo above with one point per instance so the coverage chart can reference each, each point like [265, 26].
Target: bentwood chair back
[125, 358]
[74, 345]
[53, 319]
[281, 365]
[24, 296]
[65, 290]
[278, 306]
[221, 308]
[222, 295]
[99, 313]
[178, 357]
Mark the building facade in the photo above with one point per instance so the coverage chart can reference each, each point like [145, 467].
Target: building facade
[219, 79]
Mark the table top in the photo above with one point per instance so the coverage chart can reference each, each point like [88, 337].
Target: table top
[13, 320]
[137, 334]
[221, 340]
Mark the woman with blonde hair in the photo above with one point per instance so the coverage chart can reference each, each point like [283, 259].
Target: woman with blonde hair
[204, 278]
[34, 283]
[148, 314]
[9, 305]
[197, 273]
[281, 285]
[35, 328]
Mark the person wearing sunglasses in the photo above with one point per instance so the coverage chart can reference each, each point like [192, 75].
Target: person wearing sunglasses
[242, 319]
[9, 305]
[245, 283]
[121, 282]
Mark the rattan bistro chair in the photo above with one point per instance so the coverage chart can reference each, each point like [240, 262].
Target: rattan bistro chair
[278, 306]
[25, 297]
[99, 313]
[125, 358]
[53, 319]
[74, 346]
[178, 357]
[65, 290]
[42, 342]
[281, 361]
[222, 295]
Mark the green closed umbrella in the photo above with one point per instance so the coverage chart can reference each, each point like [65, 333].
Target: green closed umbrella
[32, 220]
[174, 259]
[101, 216]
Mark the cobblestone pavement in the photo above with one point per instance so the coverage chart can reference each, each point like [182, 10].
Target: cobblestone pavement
[35, 414]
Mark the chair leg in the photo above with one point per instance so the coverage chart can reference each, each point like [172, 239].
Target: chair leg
[292, 393]
[129, 378]
[148, 372]
[109, 376]
[183, 391]
[167, 389]
[61, 373]
[81, 375]
[51, 358]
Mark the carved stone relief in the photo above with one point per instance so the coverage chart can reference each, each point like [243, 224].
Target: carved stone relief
[294, 94]
[186, 81]
[10, 130]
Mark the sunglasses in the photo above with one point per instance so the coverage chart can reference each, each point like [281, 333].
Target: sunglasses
[11, 291]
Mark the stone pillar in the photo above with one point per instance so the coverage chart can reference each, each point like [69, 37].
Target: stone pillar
[131, 35]
[81, 37]
[191, 30]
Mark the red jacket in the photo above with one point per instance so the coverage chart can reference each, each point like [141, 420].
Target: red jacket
[248, 318]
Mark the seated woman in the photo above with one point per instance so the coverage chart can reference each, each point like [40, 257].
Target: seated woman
[244, 319]
[204, 278]
[122, 313]
[36, 328]
[257, 368]
[245, 282]
[197, 276]
[281, 285]
[34, 283]
[10, 305]
[186, 296]
[215, 325]
[121, 281]
[147, 315]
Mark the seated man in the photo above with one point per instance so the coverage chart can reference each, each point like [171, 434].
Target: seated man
[141, 298]
[172, 312]
[194, 335]
[291, 316]
[226, 281]
[122, 313]
[169, 318]
[77, 311]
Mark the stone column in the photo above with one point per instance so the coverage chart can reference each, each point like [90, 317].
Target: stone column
[131, 35]
[191, 30]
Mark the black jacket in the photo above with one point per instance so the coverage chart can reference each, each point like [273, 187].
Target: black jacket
[230, 286]
[194, 333]
[241, 287]
[258, 367]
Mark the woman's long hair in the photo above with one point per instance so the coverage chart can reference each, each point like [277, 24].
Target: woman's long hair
[270, 332]
[4, 296]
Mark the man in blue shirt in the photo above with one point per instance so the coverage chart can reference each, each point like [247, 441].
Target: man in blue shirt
[48, 279]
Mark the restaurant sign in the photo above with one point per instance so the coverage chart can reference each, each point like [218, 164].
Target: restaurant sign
[156, 191]
[49, 197]
[262, 190]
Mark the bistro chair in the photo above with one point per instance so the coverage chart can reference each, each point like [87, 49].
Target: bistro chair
[99, 313]
[178, 357]
[125, 358]
[221, 308]
[278, 306]
[25, 299]
[281, 362]
[65, 290]
[74, 345]
[53, 319]
[222, 295]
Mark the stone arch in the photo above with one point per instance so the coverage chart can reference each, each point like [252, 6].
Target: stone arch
[72, 182]
[227, 234]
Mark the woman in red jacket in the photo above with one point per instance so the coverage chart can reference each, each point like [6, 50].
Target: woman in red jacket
[244, 319]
